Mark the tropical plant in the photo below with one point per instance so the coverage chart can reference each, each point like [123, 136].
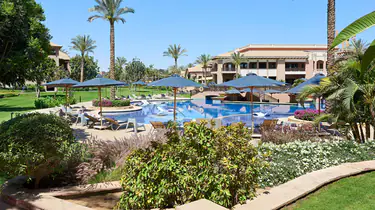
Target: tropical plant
[217, 164]
[111, 11]
[297, 82]
[175, 52]
[90, 69]
[237, 58]
[33, 145]
[203, 60]
[85, 45]
[134, 71]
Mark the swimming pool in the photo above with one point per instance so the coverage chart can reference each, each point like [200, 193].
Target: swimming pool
[193, 109]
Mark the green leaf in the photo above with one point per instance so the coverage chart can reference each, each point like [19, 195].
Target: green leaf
[368, 57]
[356, 27]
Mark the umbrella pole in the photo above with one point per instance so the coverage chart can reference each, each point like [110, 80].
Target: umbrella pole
[100, 102]
[252, 109]
[175, 104]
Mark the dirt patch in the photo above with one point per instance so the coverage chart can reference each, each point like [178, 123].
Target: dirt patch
[99, 202]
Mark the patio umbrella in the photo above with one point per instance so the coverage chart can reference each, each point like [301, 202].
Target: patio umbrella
[140, 83]
[271, 91]
[66, 83]
[100, 82]
[313, 81]
[251, 81]
[233, 91]
[174, 81]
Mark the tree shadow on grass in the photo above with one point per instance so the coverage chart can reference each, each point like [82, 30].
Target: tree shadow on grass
[5, 108]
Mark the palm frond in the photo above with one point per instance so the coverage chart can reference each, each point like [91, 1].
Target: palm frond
[356, 27]
[368, 57]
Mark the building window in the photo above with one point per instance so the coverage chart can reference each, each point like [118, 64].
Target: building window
[274, 78]
[243, 65]
[320, 64]
[303, 65]
[272, 65]
[291, 65]
[253, 65]
[262, 65]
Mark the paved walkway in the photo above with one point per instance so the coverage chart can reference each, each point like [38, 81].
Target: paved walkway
[295, 189]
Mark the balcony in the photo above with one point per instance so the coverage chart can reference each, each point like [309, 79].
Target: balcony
[229, 70]
[295, 69]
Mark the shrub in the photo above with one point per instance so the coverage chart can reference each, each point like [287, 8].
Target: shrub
[308, 114]
[291, 160]
[33, 144]
[219, 165]
[119, 103]
[49, 101]
[109, 103]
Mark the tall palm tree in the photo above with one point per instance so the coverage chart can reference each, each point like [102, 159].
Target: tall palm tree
[111, 11]
[331, 27]
[237, 58]
[175, 52]
[85, 45]
[203, 60]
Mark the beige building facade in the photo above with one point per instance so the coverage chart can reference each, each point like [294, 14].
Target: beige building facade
[197, 73]
[275, 61]
[60, 57]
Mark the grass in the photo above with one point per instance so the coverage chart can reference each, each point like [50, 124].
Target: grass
[351, 193]
[25, 101]
[107, 176]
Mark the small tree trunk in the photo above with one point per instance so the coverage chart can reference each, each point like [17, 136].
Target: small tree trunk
[112, 63]
[362, 134]
[355, 132]
[368, 132]
[37, 91]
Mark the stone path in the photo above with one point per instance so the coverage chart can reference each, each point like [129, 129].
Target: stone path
[295, 189]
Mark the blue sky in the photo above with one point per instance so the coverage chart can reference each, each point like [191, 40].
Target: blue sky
[204, 26]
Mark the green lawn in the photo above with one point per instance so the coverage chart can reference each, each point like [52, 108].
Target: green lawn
[350, 193]
[25, 102]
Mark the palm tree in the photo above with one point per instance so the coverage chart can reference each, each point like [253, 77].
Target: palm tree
[237, 58]
[111, 11]
[85, 45]
[203, 60]
[175, 51]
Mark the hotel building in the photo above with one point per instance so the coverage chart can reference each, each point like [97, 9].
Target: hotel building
[275, 61]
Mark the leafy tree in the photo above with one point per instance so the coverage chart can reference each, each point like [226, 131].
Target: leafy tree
[134, 71]
[111, 11]
[173, 70]
[237, 58]
[120, 65]
[203, 60]
[85, 45]
[24, 40]
[91, 68]
[175, 52]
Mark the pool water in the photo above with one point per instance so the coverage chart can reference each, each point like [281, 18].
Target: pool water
[208, 109]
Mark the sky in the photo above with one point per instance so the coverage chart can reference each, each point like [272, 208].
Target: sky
[200, 26]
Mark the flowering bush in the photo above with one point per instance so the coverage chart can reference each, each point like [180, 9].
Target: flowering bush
[308, 114]
[291, 160]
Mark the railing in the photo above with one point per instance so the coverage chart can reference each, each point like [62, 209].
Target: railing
[295, 69]
[229, 69]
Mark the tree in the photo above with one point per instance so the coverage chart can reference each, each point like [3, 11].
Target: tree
[120, 66]
[135, 71]
[237, 58]
[90, 70]
[203, 60]
[24, 40]
[175, 52]
[85, 45]
[111, 11]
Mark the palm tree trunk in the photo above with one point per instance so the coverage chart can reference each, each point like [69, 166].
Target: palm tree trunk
[237, 71]
[356, 132]
[82, 65]
[112, 63]
[175, 64]
[362, 134]
[331, 25]
[368, 131]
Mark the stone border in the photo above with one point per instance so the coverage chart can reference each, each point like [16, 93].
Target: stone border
[287, 193]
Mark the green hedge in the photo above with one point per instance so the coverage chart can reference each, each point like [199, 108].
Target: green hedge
[50, 101]
[111, 103]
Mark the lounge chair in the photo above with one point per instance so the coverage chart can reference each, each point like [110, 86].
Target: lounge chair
[91, 119]
[149, 97]
[161, 111]
[145, 102]
[157, 125]
[115, 124]
[135, 125]
[137, 97]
